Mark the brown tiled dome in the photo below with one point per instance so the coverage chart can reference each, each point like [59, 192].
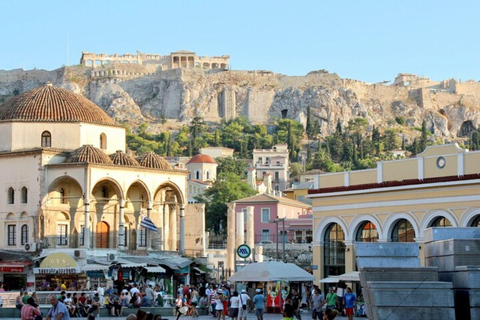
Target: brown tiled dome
[201, 158]
[49, 103]
[89, 154]
[122, 159]
[152, 160]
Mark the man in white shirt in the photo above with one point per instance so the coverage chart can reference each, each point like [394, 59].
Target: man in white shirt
[134, 290]
[243, 310]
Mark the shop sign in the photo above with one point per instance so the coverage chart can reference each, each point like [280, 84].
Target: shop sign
[11, 269]
[56, 270]
[95, 274]
[182, 272]
[59, 260]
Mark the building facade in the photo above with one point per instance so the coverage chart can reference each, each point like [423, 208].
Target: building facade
[395, 202]
[275, 162]
[175, 60]
[69, 185]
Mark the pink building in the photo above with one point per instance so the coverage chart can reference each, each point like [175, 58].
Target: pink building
[268, 208]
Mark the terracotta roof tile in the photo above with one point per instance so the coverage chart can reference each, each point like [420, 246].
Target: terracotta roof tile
[49, 103]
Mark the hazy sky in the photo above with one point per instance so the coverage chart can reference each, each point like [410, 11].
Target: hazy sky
[361, 39]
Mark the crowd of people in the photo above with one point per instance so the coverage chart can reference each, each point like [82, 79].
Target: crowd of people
[218, 301]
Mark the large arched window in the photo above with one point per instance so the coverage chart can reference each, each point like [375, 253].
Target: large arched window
[367, 232]
[24, 195]
[476, 222]
[103, 141]
[440, 222]
[11, 196]
[403, 231]
[46, 139]
[197, 175]
[24, 235]
[334, 250]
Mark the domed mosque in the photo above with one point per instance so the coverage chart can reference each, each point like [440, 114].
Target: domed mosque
[71, 187]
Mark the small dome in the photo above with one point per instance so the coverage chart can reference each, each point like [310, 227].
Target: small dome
[89, 154]
[122, 159]
[201, 158]
[49, 103]
[152, 160]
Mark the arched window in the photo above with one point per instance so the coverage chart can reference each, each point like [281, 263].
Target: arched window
[207, 175]
[24, 235]
[197, 175]
[11, 196]
[403, 231]
[476, 222]
[367, 232]
[440, 222]
[63, 196]
[334, 250]
[103, 141]
[105, 192]
[24, 195]
[46, 139]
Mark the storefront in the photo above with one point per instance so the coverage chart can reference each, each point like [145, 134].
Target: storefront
[13, 276]
[57, 269]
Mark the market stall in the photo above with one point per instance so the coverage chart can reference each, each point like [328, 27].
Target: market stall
[57, 269]
[275, 278]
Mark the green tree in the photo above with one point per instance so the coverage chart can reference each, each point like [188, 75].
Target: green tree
[424, 136]
[230, 165]
[229, 188]
[309, 124]
[390, 140]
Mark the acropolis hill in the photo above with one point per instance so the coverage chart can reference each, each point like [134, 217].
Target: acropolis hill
[180, 86]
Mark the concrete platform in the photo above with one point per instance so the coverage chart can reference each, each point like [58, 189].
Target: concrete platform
[439, 233]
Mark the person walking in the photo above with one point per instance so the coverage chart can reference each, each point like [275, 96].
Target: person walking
[242, 311]
[234, 306]
[259, 301]
[331, 299]
[349, 301]
[296, 303]
[58, 311]
[317, 302]
[219, 298]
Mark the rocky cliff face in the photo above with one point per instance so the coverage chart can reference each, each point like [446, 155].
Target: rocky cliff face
[179, 95]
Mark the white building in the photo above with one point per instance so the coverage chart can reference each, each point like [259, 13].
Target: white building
[274, 162]
[68, 183]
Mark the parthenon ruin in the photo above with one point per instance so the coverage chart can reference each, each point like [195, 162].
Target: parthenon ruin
[178, 59]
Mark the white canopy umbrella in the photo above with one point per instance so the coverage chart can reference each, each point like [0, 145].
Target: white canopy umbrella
[271, 271]
[353, 276]
[332, 279]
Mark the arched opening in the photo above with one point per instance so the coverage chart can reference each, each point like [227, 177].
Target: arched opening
[11, 196]
[475, 222]
[466, 129]
[46, 139]
[367, 232]
[334, 250]
[197, 175]
[207, 175]
[284, 113]
[103, 141]
[24, 235]
[103, 230]
[440, 222]
[403, 231]
[24, 195]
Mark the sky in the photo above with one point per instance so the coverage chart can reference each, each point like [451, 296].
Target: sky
[367, 40]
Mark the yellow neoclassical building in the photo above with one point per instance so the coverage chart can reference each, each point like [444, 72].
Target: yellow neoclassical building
[395, 202]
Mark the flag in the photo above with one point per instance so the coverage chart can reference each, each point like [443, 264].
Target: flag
[148, 224]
